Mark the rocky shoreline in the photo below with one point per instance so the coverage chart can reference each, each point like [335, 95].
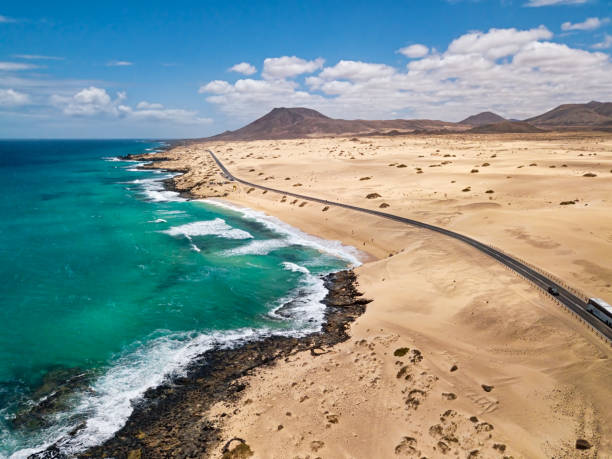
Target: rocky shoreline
[171, 420]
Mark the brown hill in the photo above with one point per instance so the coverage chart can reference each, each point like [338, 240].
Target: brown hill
[591, 115]
[292, 123]
[505, 127]
[483, 118]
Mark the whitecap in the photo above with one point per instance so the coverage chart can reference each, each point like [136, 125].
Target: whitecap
[295, 268]
[260, 247]
[153, 189]
[217, 227]
[157, 220]
[304, 305]
[291, 235]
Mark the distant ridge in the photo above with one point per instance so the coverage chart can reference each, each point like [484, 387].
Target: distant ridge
[591, 115]
[299, 122]
[505, 127]
[483, 118]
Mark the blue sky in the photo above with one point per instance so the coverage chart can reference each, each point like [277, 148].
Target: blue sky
[162, 69]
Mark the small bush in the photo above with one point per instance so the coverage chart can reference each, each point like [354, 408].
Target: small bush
[401, 352]
[373, 196]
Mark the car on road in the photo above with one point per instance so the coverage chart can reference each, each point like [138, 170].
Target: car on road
[553, 290]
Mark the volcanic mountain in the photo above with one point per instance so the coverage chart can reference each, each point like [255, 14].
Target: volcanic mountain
[482, 119]
[591, 115]
[292, 123]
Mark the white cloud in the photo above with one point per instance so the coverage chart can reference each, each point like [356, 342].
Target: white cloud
[516, 72]
[89, 102]
[144, 105]
[6, 19]
[173, 115]
[95, 101]
[356, 71]
[119, 64]
[606, 43]
[497, 43]
[38, 57]
[10, 66]
[11, 98]
[289, 66]
[244, 68]
[588, 24]
[414, 51]
[537, 3]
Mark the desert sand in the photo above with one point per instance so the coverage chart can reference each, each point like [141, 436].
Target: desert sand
[456, 356]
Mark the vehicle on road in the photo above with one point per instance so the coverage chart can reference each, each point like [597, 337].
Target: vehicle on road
[553, 291]
[600, 309]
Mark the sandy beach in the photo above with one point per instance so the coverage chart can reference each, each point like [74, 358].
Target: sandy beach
[456, 355]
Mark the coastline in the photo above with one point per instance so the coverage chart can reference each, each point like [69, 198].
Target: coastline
[217, 370]
[171, 419]
[408, 269]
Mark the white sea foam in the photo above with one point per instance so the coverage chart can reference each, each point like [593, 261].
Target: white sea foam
[295, 268]
[261, 247]
[112, 159]
[153, 189]
[109, 403]
[217, 227]
[157, 220]
[171, 212]
[304, 305]
[291, 236]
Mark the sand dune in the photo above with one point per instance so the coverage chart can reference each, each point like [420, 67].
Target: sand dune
[535, 378]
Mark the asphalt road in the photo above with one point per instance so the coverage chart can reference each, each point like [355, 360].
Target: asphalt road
[568, 299]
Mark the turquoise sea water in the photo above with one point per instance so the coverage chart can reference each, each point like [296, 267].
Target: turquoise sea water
[109, 279]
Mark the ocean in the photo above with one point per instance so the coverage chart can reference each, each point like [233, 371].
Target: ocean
[111, 284]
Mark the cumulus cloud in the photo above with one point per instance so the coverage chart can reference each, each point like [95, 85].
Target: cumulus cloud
[497, 43]
[516, 72]
[356, 71]
[244, 68]
[89, 102]
[12, 66]
[12, 98]
[606, 43]
[94, 101]
[119, 64]
[537, 3]
[289, 66]
[588, 24]
[414, 51]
